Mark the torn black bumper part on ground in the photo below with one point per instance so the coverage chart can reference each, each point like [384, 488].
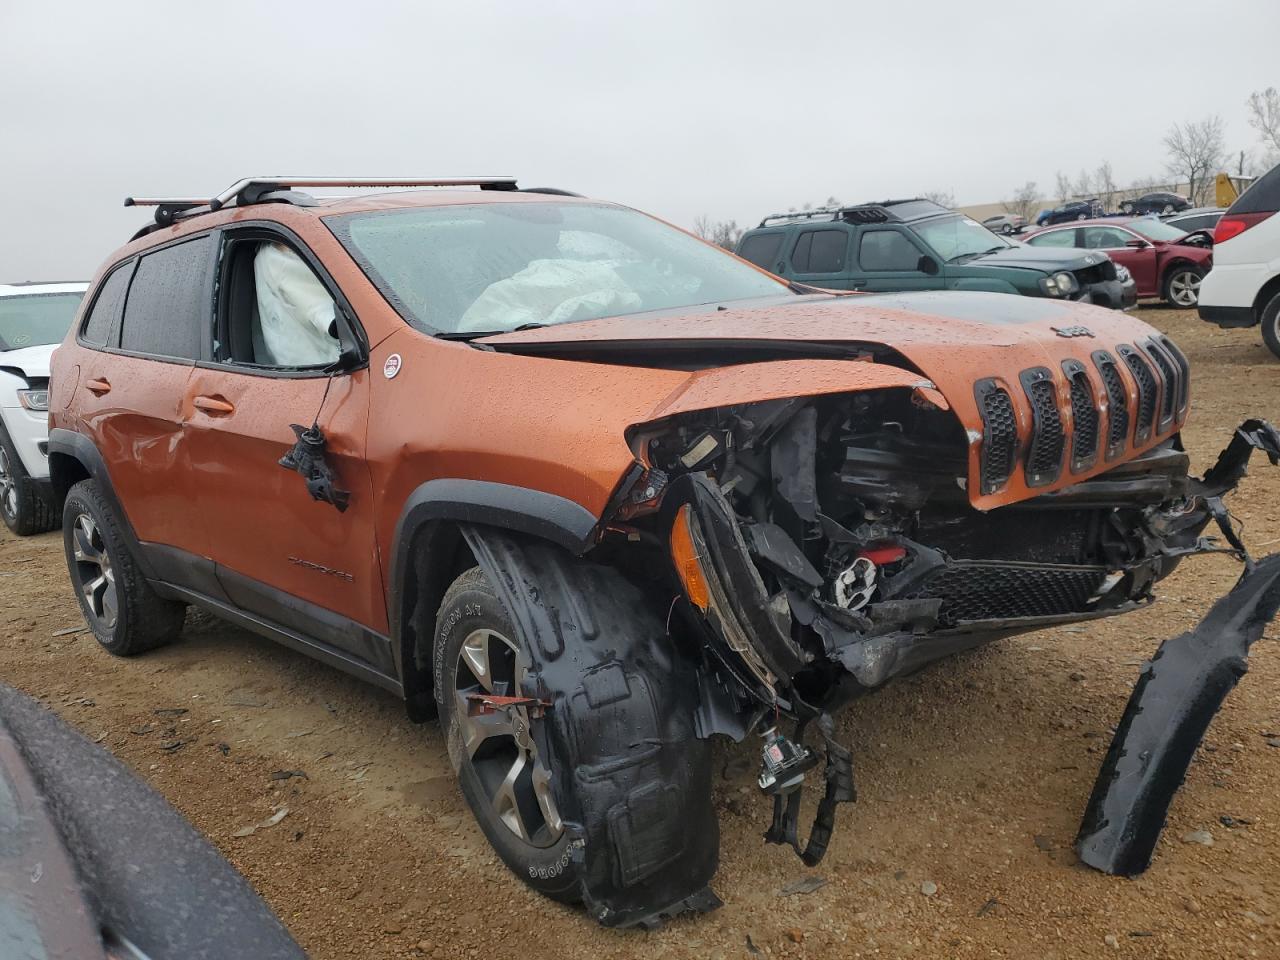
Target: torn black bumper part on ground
[1178, 694]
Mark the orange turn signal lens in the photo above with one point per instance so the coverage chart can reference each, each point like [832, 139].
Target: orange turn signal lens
[685, 555]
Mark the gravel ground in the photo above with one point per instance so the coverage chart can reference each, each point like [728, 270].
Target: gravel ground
[972, 776]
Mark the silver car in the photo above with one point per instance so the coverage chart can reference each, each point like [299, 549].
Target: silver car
[1005, 223]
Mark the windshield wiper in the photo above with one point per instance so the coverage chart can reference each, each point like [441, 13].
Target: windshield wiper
[466, 335]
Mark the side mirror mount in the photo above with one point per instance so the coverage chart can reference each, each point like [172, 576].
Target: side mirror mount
[351, 356]
[926, 264]
[1137, 244]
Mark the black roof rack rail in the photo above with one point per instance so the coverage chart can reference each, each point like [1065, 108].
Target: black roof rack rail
[830, 213]
[252, 190]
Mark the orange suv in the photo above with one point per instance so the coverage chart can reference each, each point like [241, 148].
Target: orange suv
[594, 491]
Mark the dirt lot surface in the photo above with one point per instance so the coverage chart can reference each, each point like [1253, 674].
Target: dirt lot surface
[972, 777]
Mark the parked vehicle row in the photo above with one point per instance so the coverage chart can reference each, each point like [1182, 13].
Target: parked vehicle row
[1164, 261]
[919, 245]
[594, 492]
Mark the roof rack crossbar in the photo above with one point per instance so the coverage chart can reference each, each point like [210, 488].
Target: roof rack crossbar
[250, 189]
[830, 213]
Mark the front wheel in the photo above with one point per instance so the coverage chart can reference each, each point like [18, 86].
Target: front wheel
[1271, 325]
[1007, 229]
[1182, 287]
[505, 776]
[24, 506]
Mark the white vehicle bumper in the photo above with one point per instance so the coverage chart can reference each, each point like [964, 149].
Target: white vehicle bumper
[29, 432]
[1234, 284]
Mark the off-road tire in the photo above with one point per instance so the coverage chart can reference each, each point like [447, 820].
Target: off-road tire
[34, 512]
[1171, 275]
[1271, 325]
[470, 605]
[143, 620]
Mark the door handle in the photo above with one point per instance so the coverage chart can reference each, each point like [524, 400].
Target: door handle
[857, 284]
[97, 386]
[214, 406]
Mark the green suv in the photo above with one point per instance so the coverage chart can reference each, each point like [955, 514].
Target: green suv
[919, 245]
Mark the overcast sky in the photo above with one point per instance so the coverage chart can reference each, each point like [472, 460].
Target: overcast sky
[732, 109]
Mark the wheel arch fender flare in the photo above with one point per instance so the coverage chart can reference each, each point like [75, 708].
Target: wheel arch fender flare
[632, 778]
[74, 457]
[428, 552]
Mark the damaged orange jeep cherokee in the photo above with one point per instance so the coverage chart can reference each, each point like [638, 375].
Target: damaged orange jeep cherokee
[595, 492]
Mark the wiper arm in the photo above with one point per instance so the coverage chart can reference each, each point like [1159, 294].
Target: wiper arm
[465, 335]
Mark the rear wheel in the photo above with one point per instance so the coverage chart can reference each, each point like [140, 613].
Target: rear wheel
[24, 504]
[127, 616]
[1168, 208]
[1081, 216]
[1182, 286]
[1271, 325]
[1007, 229]
[506, 778]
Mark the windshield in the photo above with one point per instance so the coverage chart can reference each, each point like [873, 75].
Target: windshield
[36, 319]
[475, 268]
[956, 237]
[1156, 229]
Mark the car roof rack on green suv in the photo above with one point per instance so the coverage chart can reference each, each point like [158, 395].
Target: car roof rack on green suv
[883, 211]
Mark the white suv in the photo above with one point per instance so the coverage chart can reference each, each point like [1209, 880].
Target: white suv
[34, 318]
[1243, 288]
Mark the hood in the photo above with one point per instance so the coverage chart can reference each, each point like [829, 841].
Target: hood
[955, 339]
[30, 362]
[1046, 259]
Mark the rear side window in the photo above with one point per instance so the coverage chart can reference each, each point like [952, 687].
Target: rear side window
[762, 249]
[100, 329]
[820, 251]
[166, 312]
[1058, 238]
[1262, 197]
[887, 250]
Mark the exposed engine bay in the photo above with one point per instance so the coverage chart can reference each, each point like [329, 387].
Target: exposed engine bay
[825, 545]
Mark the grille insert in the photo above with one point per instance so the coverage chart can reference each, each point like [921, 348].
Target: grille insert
[1084, 417]
[1169, 377]
[992, 590]
[1117, 403]
[1184, 368]
[1044, 456]
[999, 435]
[1147, 391]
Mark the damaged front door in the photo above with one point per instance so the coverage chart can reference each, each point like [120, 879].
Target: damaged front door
[280, 553]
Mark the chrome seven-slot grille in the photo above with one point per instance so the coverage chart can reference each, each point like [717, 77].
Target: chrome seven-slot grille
[1155, 366]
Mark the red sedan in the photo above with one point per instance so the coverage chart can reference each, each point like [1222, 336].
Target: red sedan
[1165, 262]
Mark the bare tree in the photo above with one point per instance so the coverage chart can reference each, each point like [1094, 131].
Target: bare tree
[723, 233]
[943, 198]
[1264, 116]
[1064, 186]
[1024, 201]
[1083, 185]
[1196, 153]
[1104, 185]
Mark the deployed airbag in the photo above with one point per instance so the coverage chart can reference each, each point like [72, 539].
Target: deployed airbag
[550, 292]
[295, 311]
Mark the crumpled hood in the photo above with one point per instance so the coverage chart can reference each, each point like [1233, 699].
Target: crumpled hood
[956, 339]
[934, 329]
[31, 362]
[1047, 259]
